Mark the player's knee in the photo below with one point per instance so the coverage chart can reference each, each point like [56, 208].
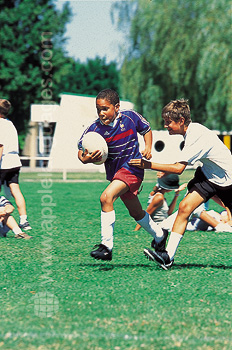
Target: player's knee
[184, 208]
[106, 198]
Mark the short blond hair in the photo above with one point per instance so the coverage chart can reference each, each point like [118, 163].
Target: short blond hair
[177, 109]
[5, 107]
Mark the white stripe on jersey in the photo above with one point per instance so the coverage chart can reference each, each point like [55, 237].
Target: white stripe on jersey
[4, 201]
[123, 150]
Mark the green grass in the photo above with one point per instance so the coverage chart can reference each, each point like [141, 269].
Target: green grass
[129, 303]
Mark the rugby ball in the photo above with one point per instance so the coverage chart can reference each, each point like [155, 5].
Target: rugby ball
[92, 141]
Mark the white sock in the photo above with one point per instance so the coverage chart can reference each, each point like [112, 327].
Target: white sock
[107, 228]
[167, 223]
[173, 243]
[17, 230]
[151, 227]
[23, 219]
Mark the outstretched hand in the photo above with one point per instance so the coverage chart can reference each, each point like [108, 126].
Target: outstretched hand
[140, 163]
[182, 187]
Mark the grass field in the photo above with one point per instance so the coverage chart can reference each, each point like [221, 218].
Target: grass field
[55, 296]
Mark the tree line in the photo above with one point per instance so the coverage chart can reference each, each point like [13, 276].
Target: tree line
[178, 49]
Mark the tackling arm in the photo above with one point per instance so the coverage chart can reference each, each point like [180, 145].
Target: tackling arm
[176, 168]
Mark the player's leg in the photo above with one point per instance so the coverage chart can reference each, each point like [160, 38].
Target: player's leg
[192, 200]
[12, 225]
[21, 205]
[115, 189]
[152, 206]
[187, 206]
[134, 207]
[19, 199]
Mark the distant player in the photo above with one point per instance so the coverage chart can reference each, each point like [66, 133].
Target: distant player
[7, 222]
[201, 219]
[158, 207]
[10, 163]
[119, 129]
[214, 177]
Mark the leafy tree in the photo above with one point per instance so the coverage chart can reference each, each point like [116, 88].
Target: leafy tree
[31, 45]
[178, 49]
[91, 77]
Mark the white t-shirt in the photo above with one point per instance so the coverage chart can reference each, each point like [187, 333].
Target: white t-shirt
[9, 140]
[204, 145]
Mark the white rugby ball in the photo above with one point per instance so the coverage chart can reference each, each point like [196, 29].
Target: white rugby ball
[92, 141]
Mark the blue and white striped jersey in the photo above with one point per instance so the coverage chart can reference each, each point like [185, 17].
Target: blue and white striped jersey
[4, 201]
[122, 141]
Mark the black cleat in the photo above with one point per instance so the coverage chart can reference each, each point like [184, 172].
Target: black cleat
[160, 247]
[101, 253]
[26, 226]
[161, 258]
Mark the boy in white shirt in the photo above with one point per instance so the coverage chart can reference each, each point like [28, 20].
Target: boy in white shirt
[10, 163]
[214, 177]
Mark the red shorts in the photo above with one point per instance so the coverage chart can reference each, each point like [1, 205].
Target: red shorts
[132, 181]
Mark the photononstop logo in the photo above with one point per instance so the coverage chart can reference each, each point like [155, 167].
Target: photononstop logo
[45, 304]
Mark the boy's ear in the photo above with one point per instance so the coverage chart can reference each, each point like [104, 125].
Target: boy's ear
[182, 121]
[117, 106]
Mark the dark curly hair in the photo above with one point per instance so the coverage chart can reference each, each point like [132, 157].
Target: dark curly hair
[110, 95]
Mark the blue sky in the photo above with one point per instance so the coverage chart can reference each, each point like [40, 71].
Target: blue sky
[91, 32]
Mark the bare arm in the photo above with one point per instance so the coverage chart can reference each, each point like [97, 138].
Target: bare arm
[148, 143]
[173, 203]
[176, 168]
[6, 211]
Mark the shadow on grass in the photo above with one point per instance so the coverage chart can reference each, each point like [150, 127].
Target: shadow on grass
[110, 266]
[199, 266]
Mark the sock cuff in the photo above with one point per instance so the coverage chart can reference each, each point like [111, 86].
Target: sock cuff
[145, 218]
[108, 216]
[176, 235]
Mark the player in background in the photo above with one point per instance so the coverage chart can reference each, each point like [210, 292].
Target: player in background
[7, 222]
[214, 177]
[10, 163]
[202, 219]
[158, 207]
[119, 129]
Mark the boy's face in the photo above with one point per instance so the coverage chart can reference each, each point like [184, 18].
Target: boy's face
[106, 111]
[174, 127]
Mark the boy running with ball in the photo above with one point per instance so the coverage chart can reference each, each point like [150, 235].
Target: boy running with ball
[214, 177]
[119, 129]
